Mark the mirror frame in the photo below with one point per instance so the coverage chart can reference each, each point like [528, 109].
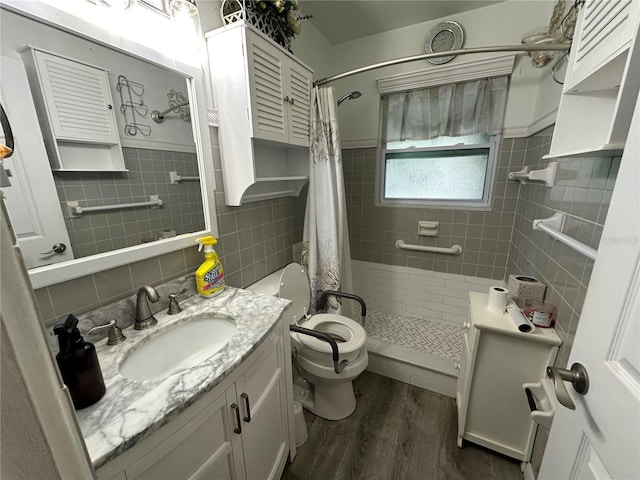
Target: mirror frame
[195, 79]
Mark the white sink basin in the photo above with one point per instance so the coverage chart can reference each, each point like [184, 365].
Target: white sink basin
[183, 346]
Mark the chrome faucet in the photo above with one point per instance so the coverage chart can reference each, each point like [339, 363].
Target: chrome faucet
[144, 317]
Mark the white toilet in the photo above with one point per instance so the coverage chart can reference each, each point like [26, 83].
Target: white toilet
[320, 390]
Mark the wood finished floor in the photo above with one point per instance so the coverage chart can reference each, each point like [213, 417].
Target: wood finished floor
[398, 432]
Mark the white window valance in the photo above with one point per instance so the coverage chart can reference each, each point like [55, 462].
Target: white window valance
[451, 110]
[496, 66]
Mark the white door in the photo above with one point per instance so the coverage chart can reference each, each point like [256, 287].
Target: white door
[37, 221]
[601, 438]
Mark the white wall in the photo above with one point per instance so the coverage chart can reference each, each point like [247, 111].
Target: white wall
[313, 49]
[501, 24]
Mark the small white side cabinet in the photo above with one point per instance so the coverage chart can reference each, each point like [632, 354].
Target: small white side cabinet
[496, 360]
[75, 108]
[602, 81]
[263, 97]
[238, 431]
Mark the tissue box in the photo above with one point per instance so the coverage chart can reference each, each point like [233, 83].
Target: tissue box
[523, 288]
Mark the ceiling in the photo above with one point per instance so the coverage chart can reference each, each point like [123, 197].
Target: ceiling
[341, 21]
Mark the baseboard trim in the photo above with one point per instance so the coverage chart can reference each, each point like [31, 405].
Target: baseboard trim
[528, 472]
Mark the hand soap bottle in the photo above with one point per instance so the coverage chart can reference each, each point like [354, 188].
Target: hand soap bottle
[209, 275]
[78, 363]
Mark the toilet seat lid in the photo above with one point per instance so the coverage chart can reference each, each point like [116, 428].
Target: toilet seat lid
[294, 286]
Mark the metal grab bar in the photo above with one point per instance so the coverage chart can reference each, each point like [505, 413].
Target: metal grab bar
[321, 304]
[75, 210]
[553, 225]
[453, 250]
[337, 365]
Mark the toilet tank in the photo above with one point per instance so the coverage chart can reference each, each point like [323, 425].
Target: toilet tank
[269, 285]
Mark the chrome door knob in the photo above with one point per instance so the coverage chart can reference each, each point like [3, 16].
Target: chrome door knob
[56, 248]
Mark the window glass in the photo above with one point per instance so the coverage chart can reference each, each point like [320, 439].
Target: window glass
[436, 175]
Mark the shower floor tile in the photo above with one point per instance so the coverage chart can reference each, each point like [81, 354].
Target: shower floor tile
[427, 336]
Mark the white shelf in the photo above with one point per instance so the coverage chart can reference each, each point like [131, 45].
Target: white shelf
[609, 149]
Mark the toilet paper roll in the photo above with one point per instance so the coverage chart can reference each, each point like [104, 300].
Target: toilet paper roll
[519, 318]
[497, 300]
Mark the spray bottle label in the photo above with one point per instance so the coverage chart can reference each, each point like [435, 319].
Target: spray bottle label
[214, 279]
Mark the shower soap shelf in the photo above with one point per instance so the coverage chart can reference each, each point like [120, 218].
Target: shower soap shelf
[546, 175]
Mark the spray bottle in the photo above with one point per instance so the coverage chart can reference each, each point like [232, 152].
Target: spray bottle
[209, 275]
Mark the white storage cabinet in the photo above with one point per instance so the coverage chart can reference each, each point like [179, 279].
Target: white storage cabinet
[238, 431]
[496, 360]
[263, 96]
[75, 108]
[602, 81]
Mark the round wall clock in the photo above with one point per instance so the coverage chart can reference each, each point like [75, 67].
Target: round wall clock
[443, 37]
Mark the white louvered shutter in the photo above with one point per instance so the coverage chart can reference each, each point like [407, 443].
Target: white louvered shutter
[267, 90]
[78, 100]
[300, 92]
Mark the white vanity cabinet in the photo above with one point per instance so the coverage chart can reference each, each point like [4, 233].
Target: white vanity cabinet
[238, 431]
[263, 97]
[496, 360]
[602, 81]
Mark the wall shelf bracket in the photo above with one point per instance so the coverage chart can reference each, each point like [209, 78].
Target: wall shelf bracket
[546, 175]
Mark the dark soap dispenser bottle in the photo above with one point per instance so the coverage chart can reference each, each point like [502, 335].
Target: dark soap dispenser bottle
[78, 363]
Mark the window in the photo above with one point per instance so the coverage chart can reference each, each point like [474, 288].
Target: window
[439, 145]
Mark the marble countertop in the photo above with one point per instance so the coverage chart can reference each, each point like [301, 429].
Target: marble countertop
[131, 410]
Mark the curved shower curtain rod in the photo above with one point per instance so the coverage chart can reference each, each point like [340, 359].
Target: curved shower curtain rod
[561, 47]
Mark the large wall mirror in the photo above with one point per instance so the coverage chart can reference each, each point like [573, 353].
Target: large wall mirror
[95, 182]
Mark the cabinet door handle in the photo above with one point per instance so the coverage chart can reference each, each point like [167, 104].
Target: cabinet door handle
[286, 99]
[238, 430]
[292, 101]
[246, 403]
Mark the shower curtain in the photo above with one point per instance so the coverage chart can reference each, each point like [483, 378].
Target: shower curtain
[325, 248]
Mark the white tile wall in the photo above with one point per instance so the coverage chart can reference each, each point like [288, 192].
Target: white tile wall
[417, 293]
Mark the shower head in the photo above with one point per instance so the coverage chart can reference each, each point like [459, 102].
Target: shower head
[349, 96]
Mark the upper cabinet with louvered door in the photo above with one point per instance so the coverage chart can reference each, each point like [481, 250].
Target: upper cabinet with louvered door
[74, 104]
[602, 81]
[263, 97]
[268, 105]
[605, 33]
[300, 104]
[280, 89]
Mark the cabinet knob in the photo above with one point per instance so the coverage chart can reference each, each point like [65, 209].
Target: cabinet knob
[456, 366]
[286, 99]
[292, 101]
[465, 325]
